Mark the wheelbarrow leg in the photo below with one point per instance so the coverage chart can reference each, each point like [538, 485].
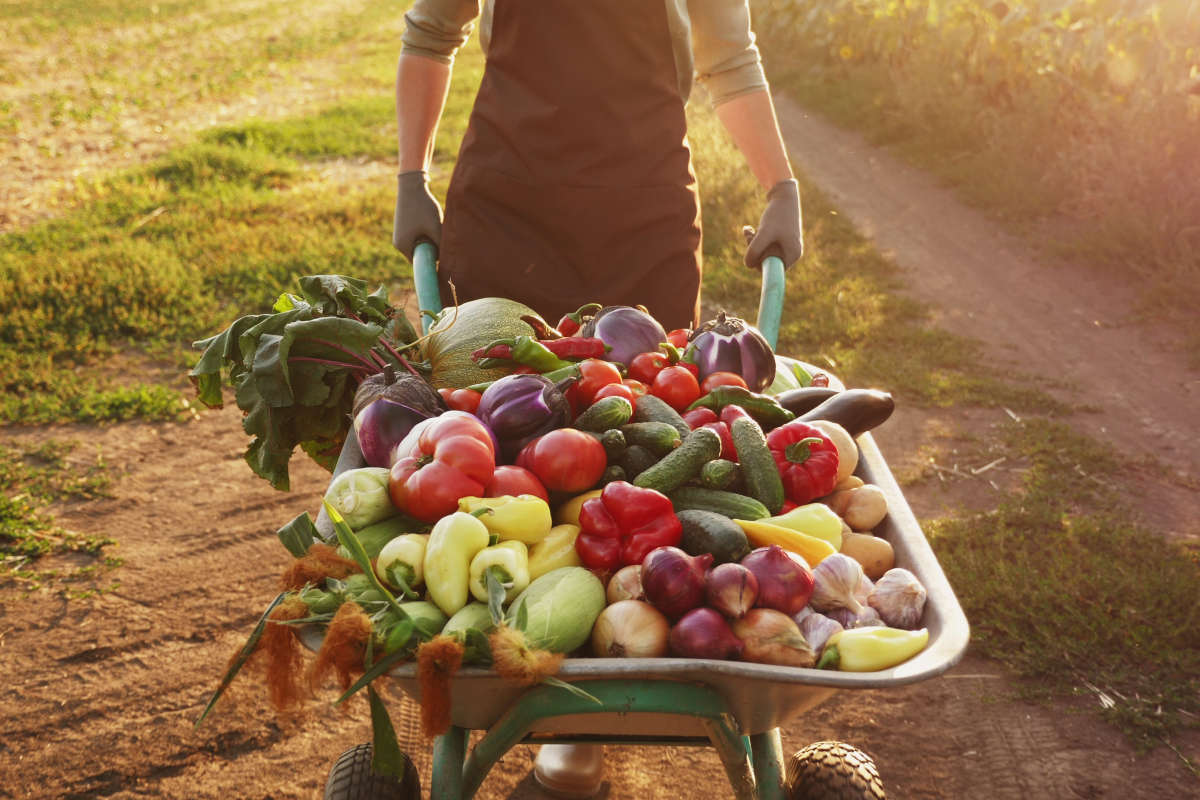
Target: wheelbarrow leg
[767, 749]
[449, 753]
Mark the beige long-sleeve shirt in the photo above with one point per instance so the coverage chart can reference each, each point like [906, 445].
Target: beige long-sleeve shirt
[711, 39]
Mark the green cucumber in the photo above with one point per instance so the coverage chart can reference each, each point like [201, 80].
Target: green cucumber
[720, 473]
[604, 414]
[636, 460]
[683, 463]
[759, 472]
[613, 441]
[710, 532]
[654, 409]
[659, 438]
[730, 504]
[615, 472]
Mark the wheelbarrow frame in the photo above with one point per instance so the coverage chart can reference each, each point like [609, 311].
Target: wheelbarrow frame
[733, 706]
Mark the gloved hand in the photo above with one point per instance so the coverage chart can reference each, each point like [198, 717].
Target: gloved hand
[780, 231]
[418, 214]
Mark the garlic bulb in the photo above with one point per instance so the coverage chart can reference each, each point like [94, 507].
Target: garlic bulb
[817, 628]
[864, 589]
[899, 598]
[835, 581]
[848, 619]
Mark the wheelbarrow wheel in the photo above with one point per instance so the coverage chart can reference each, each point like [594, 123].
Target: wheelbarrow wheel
[351, 778]
[833, 771]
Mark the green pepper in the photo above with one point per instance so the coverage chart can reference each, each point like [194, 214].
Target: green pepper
[764, 408]
[453, 542]
[871, 649]
[508, 561]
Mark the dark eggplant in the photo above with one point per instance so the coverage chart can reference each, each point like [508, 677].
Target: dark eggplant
[856, 410]
[800, 401]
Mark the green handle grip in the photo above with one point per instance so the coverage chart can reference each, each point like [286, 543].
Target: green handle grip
[770, 303]
[425, 279]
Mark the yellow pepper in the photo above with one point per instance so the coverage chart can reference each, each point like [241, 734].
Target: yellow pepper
[453, 542]
[568, 512]
[761, 534]
[871, 649]
[556, 550]
[523, 518]
[815, 519]
[509, 562]
[401, 562]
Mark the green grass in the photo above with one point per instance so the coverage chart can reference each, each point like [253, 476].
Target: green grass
[34, 477]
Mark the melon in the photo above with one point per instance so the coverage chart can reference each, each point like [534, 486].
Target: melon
[463, 329]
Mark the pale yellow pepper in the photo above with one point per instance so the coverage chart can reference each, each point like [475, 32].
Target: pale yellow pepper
[453, 542]
[872, 648]
[403, 557]
[568, 512]
[762, 533]
[556, 550]
[814, 519]
[509, 561]
[522, 518]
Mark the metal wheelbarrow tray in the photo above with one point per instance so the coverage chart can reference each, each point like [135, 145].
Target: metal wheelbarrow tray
[737, 707]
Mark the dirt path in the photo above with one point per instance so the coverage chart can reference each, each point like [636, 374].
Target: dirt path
[100, 694]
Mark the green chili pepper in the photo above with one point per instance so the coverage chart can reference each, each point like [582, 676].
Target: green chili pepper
[764, 408]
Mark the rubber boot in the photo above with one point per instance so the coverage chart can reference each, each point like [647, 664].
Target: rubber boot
[570, 770]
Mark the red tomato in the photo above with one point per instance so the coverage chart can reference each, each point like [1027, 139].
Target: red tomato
[514, 480]
[690, 367]
[699, 416]
[617, 390]
[565, 460]
[451, 458]
[677, 386]
[645, 367]
[715, 379]
[730, 413]
[461, 399]
[679, 337]
[637, 387]
[593, 374]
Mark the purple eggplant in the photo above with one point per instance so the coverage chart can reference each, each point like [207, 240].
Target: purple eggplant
[519, 408]
[381, 425]
[730, 344]
[627, 330]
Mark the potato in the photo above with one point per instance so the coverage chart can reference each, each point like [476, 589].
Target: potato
[852, 482]
[846, 446]
[875, 554]
[866, 508]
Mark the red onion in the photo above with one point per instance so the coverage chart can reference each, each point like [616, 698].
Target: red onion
[703, 633]
[731, 589]
[381, 425]
[784, 581]
[771, 637]
[730, 344]
[674, 581]
[628, 331]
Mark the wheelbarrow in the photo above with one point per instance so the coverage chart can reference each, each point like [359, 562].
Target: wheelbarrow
[735, 707]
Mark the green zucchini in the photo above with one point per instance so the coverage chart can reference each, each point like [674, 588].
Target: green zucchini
[759, 472]
[604, 414]
[659, 438]
[856, 410]
[730, 504]
[683, 463]
[720, 473]
[654, 409]
[710, 532]
[636, 460]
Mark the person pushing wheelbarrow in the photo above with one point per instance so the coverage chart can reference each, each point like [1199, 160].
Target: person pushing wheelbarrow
[574, 181]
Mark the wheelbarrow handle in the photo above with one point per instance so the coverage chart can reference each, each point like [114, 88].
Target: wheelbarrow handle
[429, 297]
[770, 304]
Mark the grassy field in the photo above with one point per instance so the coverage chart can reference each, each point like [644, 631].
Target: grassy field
[99, 304]
[1078, 122]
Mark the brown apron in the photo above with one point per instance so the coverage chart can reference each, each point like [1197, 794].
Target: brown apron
[574, 181]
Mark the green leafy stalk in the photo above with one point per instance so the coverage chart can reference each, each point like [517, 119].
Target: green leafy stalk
[387, 758]
[348, 540]
[242, 656]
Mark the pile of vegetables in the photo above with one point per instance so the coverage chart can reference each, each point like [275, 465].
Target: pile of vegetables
[599, 487]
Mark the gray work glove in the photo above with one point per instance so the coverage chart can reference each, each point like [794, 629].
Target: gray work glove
[780, 230]
[418, 215]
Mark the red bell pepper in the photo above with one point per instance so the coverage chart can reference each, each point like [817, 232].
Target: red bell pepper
[807, 460]
[623, 524]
